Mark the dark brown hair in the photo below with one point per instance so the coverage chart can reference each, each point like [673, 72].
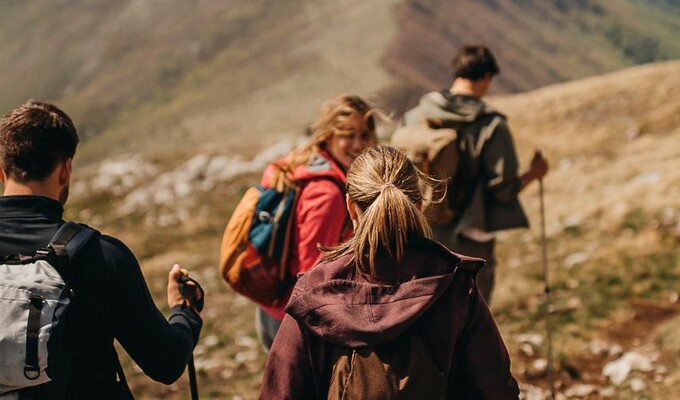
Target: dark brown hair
[473, 63]
[34, 138]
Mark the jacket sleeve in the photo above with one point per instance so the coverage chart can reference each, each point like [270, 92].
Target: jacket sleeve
[483, 363]
[321, 214]
[161, 348]
[288, 372]
[500, 165]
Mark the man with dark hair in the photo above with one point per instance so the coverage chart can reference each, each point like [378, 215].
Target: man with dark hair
[483, 193]
[37, 145]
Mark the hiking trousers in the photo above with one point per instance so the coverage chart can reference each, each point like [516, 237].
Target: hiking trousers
[486, 278]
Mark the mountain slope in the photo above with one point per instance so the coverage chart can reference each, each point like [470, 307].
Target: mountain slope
[176, 76]
[537, 43]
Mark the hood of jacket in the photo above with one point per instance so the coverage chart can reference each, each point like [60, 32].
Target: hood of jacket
[321, 166]
[345, 307]
[448, 107]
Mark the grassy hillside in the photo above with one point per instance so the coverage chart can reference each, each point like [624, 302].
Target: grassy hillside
[177, 75]
[536, 42]
[613, 227]
[180, 77]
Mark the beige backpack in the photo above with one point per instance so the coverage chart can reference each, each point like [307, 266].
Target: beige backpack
[435, 152]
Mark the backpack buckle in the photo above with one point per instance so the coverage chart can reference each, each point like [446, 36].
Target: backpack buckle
[31, 372]
[42, 252]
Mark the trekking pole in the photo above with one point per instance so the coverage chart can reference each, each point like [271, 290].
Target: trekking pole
[546, 291]
[190, 297]
[193, 386]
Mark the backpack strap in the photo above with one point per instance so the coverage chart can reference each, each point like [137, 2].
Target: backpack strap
[70, 238]
[66, 243]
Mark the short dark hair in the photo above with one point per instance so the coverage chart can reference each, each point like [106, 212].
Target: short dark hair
[34, 138]
[474, 63]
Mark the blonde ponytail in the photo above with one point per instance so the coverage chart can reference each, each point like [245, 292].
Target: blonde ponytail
[384, 184]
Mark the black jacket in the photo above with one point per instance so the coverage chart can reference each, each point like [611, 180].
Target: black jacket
[112, 301]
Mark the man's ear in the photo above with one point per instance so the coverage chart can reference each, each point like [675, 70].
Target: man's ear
[65, 173]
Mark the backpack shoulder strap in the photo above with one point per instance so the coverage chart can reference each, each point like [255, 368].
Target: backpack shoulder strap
[66, 243]
[70, 238]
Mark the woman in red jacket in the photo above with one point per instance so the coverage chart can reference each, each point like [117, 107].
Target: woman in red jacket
[389, 313]
[344, 128]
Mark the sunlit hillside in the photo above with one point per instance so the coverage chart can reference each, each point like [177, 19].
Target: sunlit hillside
[186, 76]
[613, 225]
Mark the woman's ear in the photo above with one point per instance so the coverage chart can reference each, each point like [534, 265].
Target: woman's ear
[352, 209]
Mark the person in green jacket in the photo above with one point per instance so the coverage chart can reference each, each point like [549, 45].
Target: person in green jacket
[483, 194]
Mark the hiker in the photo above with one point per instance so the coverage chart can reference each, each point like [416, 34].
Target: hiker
[344, 127]
[483, 193]
[109, 296]
[388, 289]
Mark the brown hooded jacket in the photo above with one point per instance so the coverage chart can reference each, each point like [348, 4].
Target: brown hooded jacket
[434, 298]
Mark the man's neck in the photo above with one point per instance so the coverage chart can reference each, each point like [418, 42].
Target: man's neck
[467, 87]
[14, 188]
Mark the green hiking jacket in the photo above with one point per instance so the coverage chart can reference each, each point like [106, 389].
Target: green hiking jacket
[488, 171]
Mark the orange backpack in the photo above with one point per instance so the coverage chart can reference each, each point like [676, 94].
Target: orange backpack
[257, 239]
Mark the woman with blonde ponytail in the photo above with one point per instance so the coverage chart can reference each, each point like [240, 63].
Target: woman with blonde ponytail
[345, 126]
[390, 294]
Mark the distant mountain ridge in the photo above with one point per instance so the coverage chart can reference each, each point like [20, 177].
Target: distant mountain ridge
[182, 76]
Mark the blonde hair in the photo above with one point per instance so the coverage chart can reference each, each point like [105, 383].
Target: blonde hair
[385, 185]
[335, 117]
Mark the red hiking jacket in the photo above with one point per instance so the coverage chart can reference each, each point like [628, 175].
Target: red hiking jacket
[320, 216]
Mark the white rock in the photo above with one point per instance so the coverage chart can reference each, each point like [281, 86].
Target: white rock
[532, 338]
[598, 347]
[648, 178]
[637, 385]
[243, 356]
[580, 391]
[208, 363]
[574, 259]
[617, 371]
[246, 341]
[529, 392]
[527, 350]
[539, 366]
[615, 350]
[210, 340]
